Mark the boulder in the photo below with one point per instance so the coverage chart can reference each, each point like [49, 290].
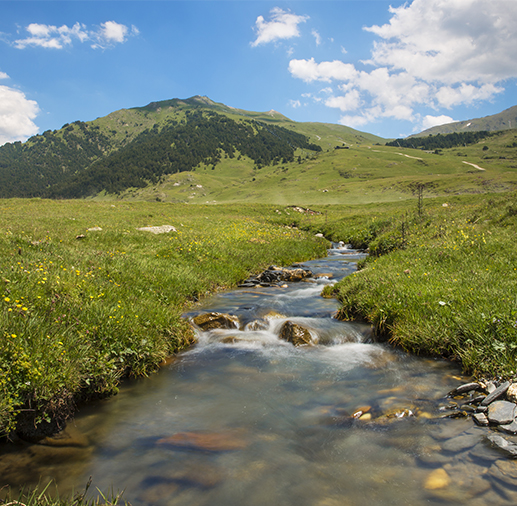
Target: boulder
[296, 334]
[209, 321]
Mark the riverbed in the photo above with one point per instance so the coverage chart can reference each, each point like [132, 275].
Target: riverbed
[247, 418]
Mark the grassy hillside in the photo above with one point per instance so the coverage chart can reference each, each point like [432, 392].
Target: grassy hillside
[136, 147]
[360, 174]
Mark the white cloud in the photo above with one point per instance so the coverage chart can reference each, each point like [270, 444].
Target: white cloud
[431, 121]
[16, 115]
[433, 53]
[53, 37]
[450, 41]
[309, 70]
[349, 102]
[295, 104]
[355, 121]
[317, 37]
[111, 33]
[3, 75]
[282, 25]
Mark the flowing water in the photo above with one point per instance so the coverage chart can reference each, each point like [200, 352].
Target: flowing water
[244, 418]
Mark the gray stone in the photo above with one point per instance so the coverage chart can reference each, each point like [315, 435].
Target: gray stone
[467, 387]
[480, 419]
[496, 394]
[490, 387]
[501, 412]
[460, 443]
[509, 429]
[504, 445]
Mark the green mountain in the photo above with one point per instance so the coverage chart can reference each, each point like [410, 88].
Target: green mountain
[202, 152]
[505, 120]
[142, 146]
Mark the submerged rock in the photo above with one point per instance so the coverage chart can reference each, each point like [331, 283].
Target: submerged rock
[209, 321]
[205, 441]
[504, 445]
[437, 479]
[296, 334]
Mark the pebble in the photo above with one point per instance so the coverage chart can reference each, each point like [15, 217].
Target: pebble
[480, 419]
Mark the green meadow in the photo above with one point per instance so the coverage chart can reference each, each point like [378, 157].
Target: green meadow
[88, 299]
[361, 174]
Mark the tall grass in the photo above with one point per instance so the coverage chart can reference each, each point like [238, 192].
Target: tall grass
[81, 308]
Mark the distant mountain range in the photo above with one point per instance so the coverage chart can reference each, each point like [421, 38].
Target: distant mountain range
[134, 148]
[505, 120]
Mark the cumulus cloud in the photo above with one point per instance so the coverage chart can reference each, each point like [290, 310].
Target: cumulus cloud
[434, 53]
[281, 25]
[17, 113]
[431, 121]
[53, 37]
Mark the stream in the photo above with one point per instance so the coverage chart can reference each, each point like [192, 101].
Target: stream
[245, 418]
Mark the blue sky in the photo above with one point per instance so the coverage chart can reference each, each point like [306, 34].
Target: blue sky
[389, 68]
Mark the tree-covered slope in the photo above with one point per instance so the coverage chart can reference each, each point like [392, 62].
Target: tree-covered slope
[202, 137]
[136, 147]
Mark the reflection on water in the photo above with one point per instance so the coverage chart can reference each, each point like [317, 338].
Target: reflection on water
[245, 418]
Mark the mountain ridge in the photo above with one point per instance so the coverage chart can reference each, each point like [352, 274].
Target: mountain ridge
[504, 120]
